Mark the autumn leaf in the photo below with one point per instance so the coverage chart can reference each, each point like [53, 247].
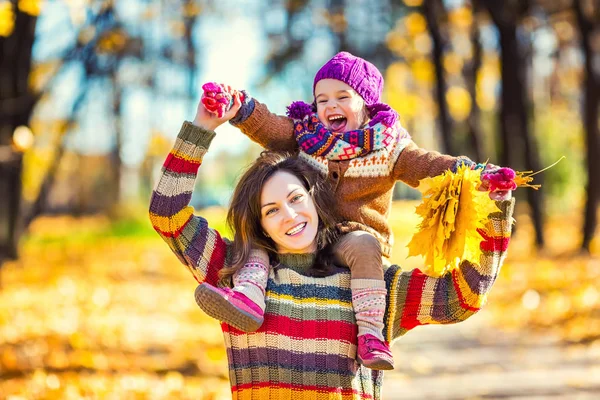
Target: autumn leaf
[452, 211]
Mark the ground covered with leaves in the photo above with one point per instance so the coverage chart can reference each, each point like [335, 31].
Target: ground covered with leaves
[96, 308]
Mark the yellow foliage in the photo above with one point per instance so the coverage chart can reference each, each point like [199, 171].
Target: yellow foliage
[415, 23]
[461, 17]
[422, 43]
[413, 3]
[159, 144]
[453, 63]
[397, 42]
[452, 210]
[406, 103]
[7, 18]
[191, 9]
[396, 74]
[31, 7]
[423, 71]
[459, 102]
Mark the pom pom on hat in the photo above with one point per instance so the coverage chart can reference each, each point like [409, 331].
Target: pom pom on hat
[299, 110]
[380, 112]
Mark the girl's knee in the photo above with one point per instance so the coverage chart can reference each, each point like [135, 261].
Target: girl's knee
[360, 242]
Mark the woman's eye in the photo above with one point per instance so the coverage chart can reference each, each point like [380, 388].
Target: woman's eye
[271, 211]
[296, 198]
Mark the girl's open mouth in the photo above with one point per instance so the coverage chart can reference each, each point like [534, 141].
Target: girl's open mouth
[337, 123]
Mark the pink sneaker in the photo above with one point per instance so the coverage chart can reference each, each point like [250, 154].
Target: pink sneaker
[374, 353]
[229, 306]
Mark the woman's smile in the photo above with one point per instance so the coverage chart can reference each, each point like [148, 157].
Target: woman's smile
[296, 229]
[288, 214]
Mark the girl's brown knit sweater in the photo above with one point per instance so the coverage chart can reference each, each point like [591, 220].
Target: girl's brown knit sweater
[364, 185]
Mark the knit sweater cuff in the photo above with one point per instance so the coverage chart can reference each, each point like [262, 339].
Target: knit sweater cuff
[245, 111]
[195, 134]
[255, 120]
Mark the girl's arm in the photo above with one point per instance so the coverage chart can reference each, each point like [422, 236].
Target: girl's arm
[271, 131]
[416, 299]
[414, 163]
[196, 245]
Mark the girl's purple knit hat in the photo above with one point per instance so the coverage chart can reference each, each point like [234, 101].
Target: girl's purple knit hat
[360, 75]
[357, 73]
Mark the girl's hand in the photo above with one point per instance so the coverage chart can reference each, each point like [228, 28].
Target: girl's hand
[210, 121]
[499, 195]
[498, 181]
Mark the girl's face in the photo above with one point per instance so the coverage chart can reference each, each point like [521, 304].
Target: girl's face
[288, 214]
[339, 107]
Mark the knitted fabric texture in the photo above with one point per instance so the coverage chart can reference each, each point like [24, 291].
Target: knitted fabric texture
[359, 74]
[368, 301]
[316, 140]
[251, 279]
[306, 346]
[363, 186]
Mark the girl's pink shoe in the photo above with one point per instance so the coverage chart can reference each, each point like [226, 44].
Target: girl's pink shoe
[229, 306]
[374, 353]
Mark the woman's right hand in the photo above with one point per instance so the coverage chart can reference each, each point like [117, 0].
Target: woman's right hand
[210, 121]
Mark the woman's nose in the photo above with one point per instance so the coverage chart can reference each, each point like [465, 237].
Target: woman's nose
[290, 213]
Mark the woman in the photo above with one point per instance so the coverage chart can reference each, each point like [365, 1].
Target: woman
[306, 346]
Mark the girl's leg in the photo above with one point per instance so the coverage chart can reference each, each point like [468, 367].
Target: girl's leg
[361, 252]
[242, 306]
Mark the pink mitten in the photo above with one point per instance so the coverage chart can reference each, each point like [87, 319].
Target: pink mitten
[216, 99]
[499, 179]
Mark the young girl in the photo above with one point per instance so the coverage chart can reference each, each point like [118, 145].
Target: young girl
[359, 144]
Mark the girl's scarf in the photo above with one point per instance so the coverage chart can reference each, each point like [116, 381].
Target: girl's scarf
[316, 140]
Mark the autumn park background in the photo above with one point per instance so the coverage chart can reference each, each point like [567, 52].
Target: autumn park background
[92, 94]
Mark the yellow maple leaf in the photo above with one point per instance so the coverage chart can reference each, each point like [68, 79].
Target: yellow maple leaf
[452, 211]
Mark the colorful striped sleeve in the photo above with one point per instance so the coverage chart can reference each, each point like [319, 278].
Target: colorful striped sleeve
[196, 245]
[416, 299]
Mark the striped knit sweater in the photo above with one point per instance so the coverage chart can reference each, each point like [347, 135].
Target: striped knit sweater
[306, 346]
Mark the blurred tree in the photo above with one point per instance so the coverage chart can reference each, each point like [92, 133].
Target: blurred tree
[288, 44]
[588, 20]
[515, 107]
[437, 24]
[16, 106]
[471, 72]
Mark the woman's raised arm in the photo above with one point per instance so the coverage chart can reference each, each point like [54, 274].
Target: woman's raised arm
[416, 299]
[196, 245]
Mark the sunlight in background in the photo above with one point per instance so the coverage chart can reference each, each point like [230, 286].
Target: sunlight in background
[228, 51]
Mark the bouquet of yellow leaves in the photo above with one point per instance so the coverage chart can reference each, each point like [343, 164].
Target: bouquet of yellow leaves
[453, 209]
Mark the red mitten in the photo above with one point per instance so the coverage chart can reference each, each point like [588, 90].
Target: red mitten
[499, 179]
[216, 99]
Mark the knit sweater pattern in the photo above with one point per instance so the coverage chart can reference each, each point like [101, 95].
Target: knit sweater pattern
[363, 186]
[306, 347]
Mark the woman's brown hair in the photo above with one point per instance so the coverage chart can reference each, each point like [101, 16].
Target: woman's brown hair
[244, 215]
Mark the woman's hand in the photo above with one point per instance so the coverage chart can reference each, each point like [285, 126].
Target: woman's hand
[210, 121]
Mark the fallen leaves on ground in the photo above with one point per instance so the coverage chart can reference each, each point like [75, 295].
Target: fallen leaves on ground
[101, 309]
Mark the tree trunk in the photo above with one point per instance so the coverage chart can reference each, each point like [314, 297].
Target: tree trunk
[590, 88]
[435, 14]
[471, 73]
[514, 118]
[16, 106]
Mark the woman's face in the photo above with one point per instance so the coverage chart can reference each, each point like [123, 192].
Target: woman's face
[288, 214]
[339, 107]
